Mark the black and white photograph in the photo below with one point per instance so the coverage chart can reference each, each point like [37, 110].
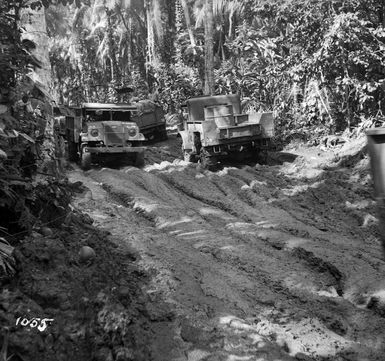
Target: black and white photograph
[192, 180]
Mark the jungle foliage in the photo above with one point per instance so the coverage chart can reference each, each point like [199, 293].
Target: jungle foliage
[317, 64]
[24, 115]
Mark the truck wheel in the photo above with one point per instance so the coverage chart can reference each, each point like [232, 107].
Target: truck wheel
[187, 156]
[139, 159]
[261, 156]
[72, 151]
[208, 161]
[163, 135]
[86, 160]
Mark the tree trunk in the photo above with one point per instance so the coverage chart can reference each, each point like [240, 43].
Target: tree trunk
[178, 28]
[150, 37]
[115, 76]
[209, 85]
[127, 22]
[168, 53]
[34, 23]
[129, 50]
[188, 23]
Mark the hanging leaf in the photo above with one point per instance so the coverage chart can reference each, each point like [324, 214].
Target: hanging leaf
[7, 261]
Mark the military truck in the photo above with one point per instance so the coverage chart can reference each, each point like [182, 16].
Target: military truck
[149, 117]
[103, 131]
[215, 129]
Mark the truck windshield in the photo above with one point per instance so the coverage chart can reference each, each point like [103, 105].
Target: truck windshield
[97, 115]
[121, 115]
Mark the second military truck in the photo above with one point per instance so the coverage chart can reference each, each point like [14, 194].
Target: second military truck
[216, 129]
[149, 117]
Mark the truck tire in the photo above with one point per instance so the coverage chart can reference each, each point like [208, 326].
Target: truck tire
[86, 160]
[163, 135]
[139, 159]
[208, 161]
[260, 156]
[72, 151]
[264, 156]
[188, 157]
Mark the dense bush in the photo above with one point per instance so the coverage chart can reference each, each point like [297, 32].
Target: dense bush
[176, 84]
[318, 65]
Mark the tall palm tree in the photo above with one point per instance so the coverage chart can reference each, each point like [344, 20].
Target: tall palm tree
[226, 14]
[186, 12]
[112, 39]
[209, 85]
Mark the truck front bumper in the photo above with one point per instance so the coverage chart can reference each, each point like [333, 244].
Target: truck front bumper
[254, 142]
[113, 150]
[224, 148]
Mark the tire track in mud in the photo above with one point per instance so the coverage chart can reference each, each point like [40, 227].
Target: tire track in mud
[223, 243]
[316, 264]
[189, 205]
[261, 255]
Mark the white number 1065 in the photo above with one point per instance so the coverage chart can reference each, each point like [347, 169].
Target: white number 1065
[41, 324]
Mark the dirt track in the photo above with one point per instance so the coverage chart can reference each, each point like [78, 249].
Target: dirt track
[256, 262]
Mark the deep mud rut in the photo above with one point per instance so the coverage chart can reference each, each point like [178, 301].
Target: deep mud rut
[255, 262]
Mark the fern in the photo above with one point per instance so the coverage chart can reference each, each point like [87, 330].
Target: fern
[7, 261]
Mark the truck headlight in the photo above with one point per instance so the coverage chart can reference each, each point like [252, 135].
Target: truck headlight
[132, 132]
[94, 133]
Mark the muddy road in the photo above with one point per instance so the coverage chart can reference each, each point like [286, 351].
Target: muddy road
[254, 262]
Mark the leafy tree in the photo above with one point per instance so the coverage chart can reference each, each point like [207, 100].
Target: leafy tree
[317, 64]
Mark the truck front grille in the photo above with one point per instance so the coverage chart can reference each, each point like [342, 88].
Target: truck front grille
[114, 135]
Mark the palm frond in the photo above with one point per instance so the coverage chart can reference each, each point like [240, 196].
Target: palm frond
[102, 24]
[221, 9]
[78, 18]
[103, 48]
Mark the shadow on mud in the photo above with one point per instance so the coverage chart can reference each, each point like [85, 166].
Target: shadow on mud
[278, 158]
[339, 202]
[272, 158]
[114, 163]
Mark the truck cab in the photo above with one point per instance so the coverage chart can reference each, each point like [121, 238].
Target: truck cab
[103, 130]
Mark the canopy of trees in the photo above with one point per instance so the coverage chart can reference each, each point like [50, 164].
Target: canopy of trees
[317, 64]
[313, 62]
